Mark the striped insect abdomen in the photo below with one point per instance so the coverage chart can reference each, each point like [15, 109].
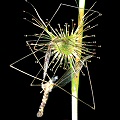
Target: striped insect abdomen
[43, 103]
[47, 87]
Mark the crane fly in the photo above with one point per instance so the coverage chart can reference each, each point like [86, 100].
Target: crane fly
[53, 83]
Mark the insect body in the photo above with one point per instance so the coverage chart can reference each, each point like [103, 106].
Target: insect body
[47, 87]
[66, 78]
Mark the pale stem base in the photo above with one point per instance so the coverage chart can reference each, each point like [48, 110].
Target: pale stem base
[74, 107]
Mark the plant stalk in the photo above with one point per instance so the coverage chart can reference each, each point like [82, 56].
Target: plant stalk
[75, 78]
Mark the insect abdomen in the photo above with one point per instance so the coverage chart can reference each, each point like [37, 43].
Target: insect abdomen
[42, 105]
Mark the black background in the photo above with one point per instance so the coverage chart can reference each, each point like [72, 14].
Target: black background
[21, 100]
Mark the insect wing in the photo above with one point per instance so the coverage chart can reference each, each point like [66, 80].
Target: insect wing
[67, 76]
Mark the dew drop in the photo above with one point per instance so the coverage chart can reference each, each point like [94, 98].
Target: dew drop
[24, 18]
[90, 61]
[25, 35]
[88, 26]
[33, 19]
[100, 14]
[93, 35]
[94, 41]
[99, 46]
[74, 24]
[56, 29]
[98, 57]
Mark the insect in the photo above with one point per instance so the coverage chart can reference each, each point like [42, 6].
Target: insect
[66, 78]
[60, 47]
[47, 87]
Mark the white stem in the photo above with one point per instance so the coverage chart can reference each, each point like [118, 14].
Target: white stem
[81, 4]
[74, 107]
[75, 92]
